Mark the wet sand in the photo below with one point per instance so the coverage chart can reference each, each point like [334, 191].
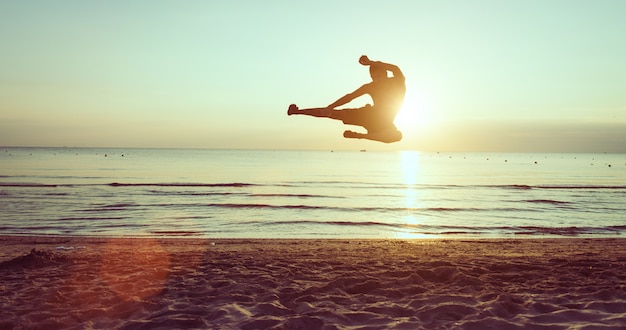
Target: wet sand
[70, 282]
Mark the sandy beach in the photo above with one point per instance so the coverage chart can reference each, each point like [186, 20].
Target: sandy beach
[144, 283]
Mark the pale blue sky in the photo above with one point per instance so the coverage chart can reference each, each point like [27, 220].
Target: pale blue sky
[530, 75]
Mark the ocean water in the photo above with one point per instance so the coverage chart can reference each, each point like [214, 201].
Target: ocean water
[309, 194]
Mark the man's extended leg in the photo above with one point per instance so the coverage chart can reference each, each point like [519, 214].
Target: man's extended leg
[315, 112]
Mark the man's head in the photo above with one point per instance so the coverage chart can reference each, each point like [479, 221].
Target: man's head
[377, 73]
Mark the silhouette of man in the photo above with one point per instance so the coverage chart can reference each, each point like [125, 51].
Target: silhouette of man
[387, 94]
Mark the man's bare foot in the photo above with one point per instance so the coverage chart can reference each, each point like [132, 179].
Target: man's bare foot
[292, 109]
[352, 135]
[385, 136]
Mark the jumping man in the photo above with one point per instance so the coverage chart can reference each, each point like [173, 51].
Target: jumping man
[387, 94]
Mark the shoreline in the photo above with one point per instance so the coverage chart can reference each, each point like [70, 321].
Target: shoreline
[103, 282]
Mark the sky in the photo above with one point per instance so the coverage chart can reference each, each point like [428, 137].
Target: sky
[481, 75]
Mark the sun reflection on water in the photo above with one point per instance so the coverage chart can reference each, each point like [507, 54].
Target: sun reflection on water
[410, 169]
[410, 173]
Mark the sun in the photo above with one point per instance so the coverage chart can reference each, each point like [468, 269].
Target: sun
[416, 113]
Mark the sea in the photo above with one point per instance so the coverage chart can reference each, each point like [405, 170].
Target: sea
[310, 194]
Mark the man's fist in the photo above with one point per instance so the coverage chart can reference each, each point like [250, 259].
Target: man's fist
[364, 60]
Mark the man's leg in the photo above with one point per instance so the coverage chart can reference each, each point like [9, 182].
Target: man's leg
[315, 112]
[380, 136]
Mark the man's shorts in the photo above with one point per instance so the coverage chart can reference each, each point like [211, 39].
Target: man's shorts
[372, 119]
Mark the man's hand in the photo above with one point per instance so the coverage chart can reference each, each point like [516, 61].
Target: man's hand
[364, 60]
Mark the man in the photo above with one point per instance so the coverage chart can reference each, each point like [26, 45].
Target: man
[387, 94]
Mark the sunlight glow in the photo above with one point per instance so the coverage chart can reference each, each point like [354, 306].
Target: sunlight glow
[416, 112]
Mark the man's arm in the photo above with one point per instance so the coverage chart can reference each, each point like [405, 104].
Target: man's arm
[386, 66]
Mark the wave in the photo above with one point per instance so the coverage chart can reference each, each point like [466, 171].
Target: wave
[333, 208]
[238, 193]
[27, 185]
[305, 207]
[547, 201]
[111, 207]
[91, 218]
[295, 195]
[176, 233]
[511, 186]
[434, 230]
[334, 184]
[589, 187]
[265, 206]
[562, 187]
[568, 231]
[335, 223]
[197, 193]
[233, 184]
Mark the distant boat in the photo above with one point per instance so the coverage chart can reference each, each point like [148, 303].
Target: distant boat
[363, 150]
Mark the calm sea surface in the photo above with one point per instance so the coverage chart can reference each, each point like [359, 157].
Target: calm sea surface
[309, 194]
